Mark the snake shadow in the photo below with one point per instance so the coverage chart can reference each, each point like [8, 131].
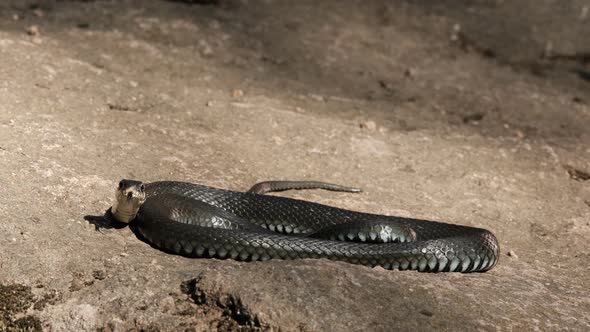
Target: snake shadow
[107, 221]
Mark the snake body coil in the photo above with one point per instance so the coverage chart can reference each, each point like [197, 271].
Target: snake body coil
[199, 221]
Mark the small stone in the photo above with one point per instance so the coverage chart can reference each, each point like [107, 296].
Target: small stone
[99, 274]
[237, 93]
[15, 17]
[407, 169]
[116, 324]
[368, 125]
[548, 52]
[209, 103]
[456, 32]
[519, 134]
[38, 12]
[167, 304]
[205, 48]
[409, 73]
[33, 30]
[512, 254]
[76, 285]
[317, 97]
[426, 312]
[277, 140]
[124, 254]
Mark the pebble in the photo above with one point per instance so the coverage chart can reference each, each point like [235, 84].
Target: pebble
[167, 304]
[99, 274]
[409, 73]
[317, 97]
[519, 134]
[206, 49]
[368, 125]
[456, 32]
[38, 12]
[512, 254]
[426, 312]
[237, 93]
[33, 30]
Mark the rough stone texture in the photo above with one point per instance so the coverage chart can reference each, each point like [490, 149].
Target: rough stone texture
[465, 113]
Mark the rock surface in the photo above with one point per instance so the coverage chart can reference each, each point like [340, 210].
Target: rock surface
[464, 113]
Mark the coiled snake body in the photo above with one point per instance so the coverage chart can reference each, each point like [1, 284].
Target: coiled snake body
[201, 221]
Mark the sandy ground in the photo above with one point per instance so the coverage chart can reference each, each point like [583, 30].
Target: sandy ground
[472, 113]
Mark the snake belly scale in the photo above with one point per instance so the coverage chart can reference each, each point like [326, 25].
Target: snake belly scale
[200, 221]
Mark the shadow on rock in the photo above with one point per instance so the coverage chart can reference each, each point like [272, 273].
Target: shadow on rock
[106, 221]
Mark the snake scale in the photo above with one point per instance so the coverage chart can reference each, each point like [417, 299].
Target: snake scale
[200, 221]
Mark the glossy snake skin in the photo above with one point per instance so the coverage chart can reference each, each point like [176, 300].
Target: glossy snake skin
[200, 221]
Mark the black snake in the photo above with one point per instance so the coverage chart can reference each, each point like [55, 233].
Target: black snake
[200, 221]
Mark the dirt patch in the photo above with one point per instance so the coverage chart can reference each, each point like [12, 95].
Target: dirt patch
[577, 174]
[226, 312]
[15, 300]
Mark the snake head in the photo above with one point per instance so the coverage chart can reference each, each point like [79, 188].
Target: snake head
[129, 196]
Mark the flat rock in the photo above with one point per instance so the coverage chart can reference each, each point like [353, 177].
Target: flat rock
[481, 133]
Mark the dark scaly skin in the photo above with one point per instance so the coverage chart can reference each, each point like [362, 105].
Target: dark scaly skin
[199, 221]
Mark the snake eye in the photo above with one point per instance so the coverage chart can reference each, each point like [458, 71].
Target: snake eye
[142, 188]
